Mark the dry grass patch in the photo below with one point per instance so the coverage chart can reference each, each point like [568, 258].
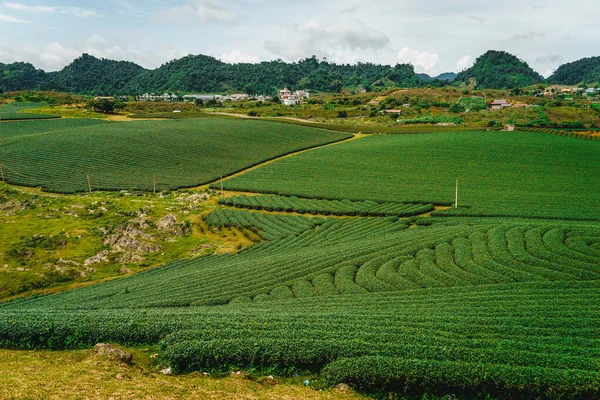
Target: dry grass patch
[79, 375]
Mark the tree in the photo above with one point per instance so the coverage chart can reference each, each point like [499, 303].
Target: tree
[336, 86]
[104, 106]
[250, 90]
[457, 108]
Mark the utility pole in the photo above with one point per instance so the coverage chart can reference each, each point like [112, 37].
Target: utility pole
[2, 171]
[221, 185]
[456, 201]
[89, 184]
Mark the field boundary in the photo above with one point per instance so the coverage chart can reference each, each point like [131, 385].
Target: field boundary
[560, 132]
[272, 160]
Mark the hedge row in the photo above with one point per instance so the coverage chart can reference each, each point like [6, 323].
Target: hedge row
[473, 380]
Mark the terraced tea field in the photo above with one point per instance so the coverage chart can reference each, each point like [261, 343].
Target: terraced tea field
[511, 300]
[59, 155]
[349, 277]
[499, 173]
[326, 207]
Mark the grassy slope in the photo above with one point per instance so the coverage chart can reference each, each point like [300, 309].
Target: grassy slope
[58, 157]
[18, 111]
[27, 212]
[77, 375]
[507, 173]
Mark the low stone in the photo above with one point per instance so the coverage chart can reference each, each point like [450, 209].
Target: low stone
[167, 371]
[269, 380]
[113, 352]
[98, 258]
[342, 388]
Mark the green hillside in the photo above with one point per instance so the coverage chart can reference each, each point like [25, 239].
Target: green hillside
[586, 70]
[500, 173]
[60, 155]
[20, 76]
[90, 75]
[200, 73]
[499, 70]
[207, 74]
[504, 304]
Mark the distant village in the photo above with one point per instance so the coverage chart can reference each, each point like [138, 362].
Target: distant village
[286, 97]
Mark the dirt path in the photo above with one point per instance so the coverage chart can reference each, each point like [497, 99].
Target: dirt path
[259, 118]
[127, 118]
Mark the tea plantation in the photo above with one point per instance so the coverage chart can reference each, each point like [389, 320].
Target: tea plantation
[357, 274]
[59, 155]
[500, 173]
[507, 305]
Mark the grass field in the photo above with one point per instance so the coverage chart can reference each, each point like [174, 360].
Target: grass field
[14, 111]
[59, 155]
[58, 376]
[499, 173]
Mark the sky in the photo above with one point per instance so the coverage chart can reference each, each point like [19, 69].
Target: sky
[435, 36]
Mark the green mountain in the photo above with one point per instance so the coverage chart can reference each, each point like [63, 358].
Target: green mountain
[91, 75]
[199, 73]
[586, 70]
[20, 76]
[447, 76]
[499, 70]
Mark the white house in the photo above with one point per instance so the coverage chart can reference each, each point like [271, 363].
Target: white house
[157, 97]
[500, 104]
[203, 97]
[302, 94]
[291, 99]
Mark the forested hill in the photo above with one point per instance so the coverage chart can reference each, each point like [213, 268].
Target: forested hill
[207, 74]
[586, 70]
[446, 76]
[199, 73]
[20, 76]
[500, 70]
[90, 75]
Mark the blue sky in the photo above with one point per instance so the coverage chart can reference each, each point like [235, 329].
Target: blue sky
[435, 35]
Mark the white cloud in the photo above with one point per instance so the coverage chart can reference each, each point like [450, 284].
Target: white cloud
[54, 56]
[237, 56]
[74, 11]
[203, 10]
[8, 18]
[343, 41]
[420, 59]
[464, 63]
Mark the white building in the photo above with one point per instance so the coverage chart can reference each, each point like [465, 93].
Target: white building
[203, 97]
[291, 99]
[499, 104]
[157, 97]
